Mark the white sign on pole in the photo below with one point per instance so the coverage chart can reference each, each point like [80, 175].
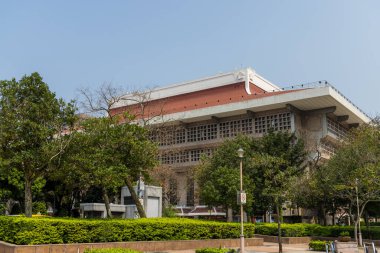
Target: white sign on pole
[241, 198]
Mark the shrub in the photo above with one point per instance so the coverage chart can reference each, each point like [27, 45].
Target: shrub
[299, 230]
[2, 208]
[318, 245]
[344, 233]
[111, 250]
[215, 250]
[288, 230]
[266, 229]
[39, 207]
[169, 212]
[21, 230]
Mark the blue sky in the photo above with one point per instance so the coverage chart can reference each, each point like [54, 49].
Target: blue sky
[138, 44]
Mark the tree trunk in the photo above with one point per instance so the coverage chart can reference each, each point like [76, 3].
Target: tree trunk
[9, 206]
[229, 214]
[321, 215]
[366, 220]
[324, 217]
[135, 198]
[333, 218]
[28, 197]
[279, 218]
[351, 217]
[356, 232]
[106, 202]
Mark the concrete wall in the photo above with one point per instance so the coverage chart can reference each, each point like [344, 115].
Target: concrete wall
[149, 191]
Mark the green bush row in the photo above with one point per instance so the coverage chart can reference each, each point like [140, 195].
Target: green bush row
[376, 224]
[215, 250]
[318, 245]
[24, 231]
[302, 229]
[111, 250]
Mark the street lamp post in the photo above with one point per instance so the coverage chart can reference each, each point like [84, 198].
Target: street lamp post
[240, 154]
[358, 213]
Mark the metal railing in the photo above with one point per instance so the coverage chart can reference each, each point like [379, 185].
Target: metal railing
[317, 84]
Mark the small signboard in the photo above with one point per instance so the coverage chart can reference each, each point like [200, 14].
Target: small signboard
[241, 198]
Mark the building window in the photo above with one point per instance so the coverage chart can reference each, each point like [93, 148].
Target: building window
[246, 126]
[184, 156]
[195, 155]
[235, 127]
[224, 129]
[259, 125]
[180, 136]
[202, 133]
[277, 122]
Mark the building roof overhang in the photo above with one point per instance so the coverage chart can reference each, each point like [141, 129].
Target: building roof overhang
[307, 99]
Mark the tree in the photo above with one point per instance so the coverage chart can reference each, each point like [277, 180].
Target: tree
[279, 161]
[356, 167]
[164, 176]
[31, 122]
[102, 102]
[220, 178]
[108, 155]
[8, 196]
[316, 190]
[270, 164]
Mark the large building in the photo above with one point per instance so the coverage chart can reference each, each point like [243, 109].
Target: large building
[198, 115]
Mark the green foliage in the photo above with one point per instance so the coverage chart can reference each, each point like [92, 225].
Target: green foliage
[303, 229]
[331, 186]
[111, 250]
[344, 233]
[288, 230]
[215, 250]
[220, 175]
[39, 207]
[169, 212]
[318, 245]
[30, 119]
[270, 165]
[376, 224]
[357, 164]
[104, 154]
[19, 230]
[278, 162]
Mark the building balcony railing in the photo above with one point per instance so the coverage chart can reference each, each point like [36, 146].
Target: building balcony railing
[319, 84]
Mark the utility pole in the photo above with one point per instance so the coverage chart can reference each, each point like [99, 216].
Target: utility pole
[240, 154]
[358, 213]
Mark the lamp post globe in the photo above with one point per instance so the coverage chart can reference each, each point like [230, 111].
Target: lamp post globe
[240, 152]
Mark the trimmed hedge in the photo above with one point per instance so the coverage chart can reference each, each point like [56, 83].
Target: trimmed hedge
[215, 250]
[318, 245]
[27, 231]
[112, 250]
[303, 229]
[376, 224]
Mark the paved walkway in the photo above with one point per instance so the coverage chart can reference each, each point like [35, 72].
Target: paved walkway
[266, 248]
[269, 248]
[273, 247]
